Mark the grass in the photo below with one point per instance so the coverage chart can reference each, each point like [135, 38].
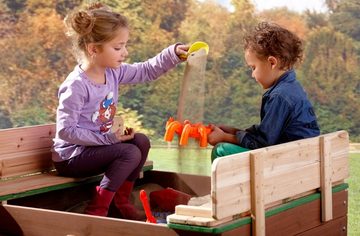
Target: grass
[354, 195]
[197, 161]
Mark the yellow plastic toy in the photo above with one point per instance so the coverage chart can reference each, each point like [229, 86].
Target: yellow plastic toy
[195, 47]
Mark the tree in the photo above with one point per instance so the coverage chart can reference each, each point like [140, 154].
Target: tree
[32, 67]
[290, 20]
[345, 17]
[330, 74]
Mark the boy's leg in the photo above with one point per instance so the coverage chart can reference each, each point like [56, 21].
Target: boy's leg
[224, 149]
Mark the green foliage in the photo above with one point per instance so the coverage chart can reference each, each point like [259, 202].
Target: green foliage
[331, 76]
[354, 195]
[5, 121]
[133, 120]
[315, 19]
[31, 115]
[346, 17]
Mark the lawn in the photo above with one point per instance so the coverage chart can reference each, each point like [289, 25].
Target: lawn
[354, 195]
[197, 161]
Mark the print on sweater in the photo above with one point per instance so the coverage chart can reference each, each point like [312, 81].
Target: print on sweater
[104, 117]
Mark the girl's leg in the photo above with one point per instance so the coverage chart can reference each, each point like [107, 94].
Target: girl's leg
[122, 196]
[224, 149]
[143, 143]
[117, 161]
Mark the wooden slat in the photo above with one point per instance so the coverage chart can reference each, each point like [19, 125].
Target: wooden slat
[289, 170]
[257, 193]
[196, 220]
[17, 220]
[43, 180]
[193, 211]
[33, 182]
[325, 178]
[27, 150]
[26, 138]
[285, 219]
[22, 163]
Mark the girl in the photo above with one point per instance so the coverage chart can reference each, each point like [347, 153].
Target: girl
[84, 144]
[286, 113]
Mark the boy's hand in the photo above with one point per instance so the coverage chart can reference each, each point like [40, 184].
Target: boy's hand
[228, 129]
[127, 135]
[216, 136]
[181, 51]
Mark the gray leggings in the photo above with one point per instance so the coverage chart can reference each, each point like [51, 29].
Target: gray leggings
[120, 162]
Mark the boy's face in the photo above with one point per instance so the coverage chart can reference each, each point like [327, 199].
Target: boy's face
[264, 71]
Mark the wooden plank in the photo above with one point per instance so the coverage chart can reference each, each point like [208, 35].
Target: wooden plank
[27, 150]
[337, 227]
[17, 220]
[286, 219]
[282, 186]
[289, 170]
[306, 216]
[26, 162]
[196, 220]
[193, 211]
[325, 178]
[257, 193]
[26, 138]
[33, 184]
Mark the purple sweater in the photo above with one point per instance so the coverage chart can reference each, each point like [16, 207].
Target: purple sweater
[86, 110]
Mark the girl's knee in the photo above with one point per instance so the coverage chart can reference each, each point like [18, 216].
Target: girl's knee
[142, 140]
[131, 155]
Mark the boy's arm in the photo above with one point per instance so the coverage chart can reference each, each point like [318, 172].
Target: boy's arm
[228, 129]
[272, 125]
[218, 135]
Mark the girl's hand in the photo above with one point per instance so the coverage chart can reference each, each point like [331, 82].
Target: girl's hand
[127, 135]
[181, 51]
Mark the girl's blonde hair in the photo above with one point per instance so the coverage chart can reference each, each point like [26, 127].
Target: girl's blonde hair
[95, 24]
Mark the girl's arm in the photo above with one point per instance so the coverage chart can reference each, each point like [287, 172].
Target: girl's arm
[150, 69]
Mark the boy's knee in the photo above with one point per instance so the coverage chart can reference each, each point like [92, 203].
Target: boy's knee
[217, 151]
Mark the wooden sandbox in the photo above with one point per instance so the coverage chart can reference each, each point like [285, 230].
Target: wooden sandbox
[295, 188]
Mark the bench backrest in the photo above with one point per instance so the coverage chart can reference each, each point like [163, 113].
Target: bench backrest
[27, 150]
[279, 172]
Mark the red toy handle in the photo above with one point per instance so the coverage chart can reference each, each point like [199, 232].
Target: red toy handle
[145, 203]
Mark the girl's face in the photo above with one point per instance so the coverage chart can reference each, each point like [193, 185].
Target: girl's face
[114, 52]
[264, 71]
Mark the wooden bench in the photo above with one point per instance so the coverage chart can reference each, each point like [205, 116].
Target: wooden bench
[254, 182]
[25, 162]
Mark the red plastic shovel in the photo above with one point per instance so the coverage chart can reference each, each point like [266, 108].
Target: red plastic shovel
[144, 200]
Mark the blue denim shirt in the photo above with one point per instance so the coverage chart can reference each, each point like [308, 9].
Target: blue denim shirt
[286, 115]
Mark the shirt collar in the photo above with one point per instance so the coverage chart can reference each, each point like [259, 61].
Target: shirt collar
[286, 77]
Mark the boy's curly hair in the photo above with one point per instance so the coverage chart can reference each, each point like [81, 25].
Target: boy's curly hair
[269, 39]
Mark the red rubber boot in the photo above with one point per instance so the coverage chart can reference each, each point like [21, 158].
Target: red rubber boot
[99, 205]
[123, 204]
